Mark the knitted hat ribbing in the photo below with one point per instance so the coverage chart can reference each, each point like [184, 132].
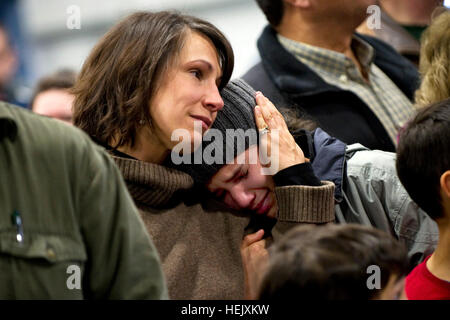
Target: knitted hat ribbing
[237, 113]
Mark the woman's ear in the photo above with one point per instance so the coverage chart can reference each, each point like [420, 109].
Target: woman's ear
[445, 183]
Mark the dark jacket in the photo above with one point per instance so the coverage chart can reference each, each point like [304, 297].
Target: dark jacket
[290, 83]
[369, 192]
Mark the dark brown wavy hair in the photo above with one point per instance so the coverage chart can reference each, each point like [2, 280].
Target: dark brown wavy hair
[123, 72]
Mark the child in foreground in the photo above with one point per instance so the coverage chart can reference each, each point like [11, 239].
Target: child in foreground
[423, 166]
[335, 262]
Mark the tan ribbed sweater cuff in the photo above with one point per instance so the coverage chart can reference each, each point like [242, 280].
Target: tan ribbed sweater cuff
[306, 203]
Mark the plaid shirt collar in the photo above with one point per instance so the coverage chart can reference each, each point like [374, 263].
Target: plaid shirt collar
[329, 61]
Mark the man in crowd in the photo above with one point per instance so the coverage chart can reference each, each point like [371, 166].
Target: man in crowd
[358, 88]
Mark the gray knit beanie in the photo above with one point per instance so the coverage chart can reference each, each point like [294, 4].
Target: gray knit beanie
[229, 132]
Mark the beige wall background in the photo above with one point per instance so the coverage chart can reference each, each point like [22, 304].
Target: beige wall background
[53, 45]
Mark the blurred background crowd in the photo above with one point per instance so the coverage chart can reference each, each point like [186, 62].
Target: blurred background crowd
[42, 43]
[36, 37]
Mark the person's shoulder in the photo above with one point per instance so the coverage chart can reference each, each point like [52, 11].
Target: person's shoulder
[28, 120]
[267, 46]
[255, 74]
[259, 79]
[417, 282]
[44, 135]
[372, 161]
[417, 271]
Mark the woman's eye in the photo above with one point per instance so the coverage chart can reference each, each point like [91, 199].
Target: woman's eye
[197, 73]
[243, 175]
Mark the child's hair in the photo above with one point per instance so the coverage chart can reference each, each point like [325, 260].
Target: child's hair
[423, 155]
[331, 262]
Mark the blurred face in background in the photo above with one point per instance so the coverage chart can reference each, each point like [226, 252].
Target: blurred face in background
[244, 187]
[54, 103]
[8, 59]
[189, 92]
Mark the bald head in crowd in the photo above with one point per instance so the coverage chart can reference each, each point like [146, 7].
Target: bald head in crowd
[52, 97]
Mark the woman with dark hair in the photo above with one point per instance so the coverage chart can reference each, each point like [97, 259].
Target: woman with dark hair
[147, 63]
[150, 75]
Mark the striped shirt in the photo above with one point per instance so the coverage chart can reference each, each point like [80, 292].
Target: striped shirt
[379, 93]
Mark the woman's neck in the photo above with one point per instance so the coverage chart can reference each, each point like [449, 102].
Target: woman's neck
[147, 148]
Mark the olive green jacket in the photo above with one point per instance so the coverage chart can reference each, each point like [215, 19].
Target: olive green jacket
[68, 227]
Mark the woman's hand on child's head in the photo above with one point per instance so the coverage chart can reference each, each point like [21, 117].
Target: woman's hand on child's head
[269, 119]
